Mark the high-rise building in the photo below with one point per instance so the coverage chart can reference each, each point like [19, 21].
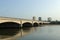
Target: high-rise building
[34, 18]
[49, 19]
[39, 18]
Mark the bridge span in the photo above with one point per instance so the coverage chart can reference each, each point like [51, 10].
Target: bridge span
[10, 27]
[17, 22]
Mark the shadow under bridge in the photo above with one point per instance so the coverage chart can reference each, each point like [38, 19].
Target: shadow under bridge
[35, 24]
[9, 28]
[27, 24]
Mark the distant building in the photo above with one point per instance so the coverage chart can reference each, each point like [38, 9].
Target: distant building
[34, 18]
[39, 18]
[49, 19]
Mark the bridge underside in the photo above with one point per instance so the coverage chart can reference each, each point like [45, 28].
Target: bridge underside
[9, 28]
[27, 24]
[10, 25]
[35, 24]
[40, 23]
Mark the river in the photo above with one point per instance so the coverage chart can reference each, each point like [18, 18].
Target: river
[45, 32]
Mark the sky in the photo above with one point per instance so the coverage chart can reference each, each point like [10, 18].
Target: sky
[28, 8]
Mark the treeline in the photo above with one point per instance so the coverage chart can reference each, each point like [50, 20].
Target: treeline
[55, 22]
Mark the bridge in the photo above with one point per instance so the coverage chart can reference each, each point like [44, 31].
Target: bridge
[15, 23]
[18, 22]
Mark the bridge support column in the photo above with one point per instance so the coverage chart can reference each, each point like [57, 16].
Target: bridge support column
[32, 23]
[21, 23]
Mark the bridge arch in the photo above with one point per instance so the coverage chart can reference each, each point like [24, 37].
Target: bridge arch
[10, 25]
[35, 24]
[40, 23]
[9, 28]
[27, 24]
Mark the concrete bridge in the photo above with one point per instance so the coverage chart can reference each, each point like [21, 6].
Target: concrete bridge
[17, 22]
[10, 26]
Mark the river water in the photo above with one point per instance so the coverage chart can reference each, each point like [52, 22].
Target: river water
[45, 32]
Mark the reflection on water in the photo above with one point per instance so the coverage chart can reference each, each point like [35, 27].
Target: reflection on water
[9, 33]
[25, 31]
[47, 32]
[19, 33]
[4, 33]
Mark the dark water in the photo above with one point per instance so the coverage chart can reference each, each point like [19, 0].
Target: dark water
[46, 32]
[7, 33]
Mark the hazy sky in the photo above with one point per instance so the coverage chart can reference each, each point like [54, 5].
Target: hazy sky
[29, 8]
